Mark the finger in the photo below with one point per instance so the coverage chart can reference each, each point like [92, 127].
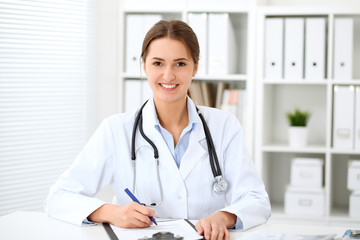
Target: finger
[145, 210]
[214, 232]
[137, 224]
[199, 228]
[227, 235]
[143, 218]
[207, 229]
[221, 234]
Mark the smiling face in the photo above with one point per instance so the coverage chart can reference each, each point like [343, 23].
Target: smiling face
[169, 68]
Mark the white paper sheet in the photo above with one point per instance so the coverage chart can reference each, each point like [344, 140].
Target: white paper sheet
[285, 236]
[178, 227]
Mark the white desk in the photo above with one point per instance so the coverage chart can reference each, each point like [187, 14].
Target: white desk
[36, 225]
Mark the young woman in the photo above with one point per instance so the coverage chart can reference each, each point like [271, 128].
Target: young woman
[202, 170]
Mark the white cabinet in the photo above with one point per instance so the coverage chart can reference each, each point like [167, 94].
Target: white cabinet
[315, 93]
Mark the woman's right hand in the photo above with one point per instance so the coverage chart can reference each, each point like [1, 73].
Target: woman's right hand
[131, 215]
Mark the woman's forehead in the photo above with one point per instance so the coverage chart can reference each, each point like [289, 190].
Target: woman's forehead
[168, 48]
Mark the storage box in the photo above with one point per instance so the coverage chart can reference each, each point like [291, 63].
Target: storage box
[354, 204]
[353, 180]
[307, 172]
[302, 201]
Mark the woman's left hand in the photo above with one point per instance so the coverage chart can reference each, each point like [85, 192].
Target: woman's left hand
[215, 226]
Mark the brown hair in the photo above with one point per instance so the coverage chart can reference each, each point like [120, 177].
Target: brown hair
[174, 29]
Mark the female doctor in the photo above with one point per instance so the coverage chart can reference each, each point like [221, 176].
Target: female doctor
[187, 179]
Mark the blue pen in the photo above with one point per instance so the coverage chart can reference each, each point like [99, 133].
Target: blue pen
[136, 200]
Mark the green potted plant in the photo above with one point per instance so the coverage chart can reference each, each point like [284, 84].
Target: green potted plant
[298, 130]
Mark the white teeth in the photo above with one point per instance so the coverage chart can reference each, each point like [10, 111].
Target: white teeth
[168, 86]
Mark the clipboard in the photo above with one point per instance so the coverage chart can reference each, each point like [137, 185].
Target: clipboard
[167, 226]
[109, 231]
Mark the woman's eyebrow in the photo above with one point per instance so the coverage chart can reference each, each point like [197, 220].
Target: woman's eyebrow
[175, 60]
[157, 58]
[180, 59]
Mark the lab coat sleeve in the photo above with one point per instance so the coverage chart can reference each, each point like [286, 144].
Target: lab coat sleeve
[71, 198]
[247, 197]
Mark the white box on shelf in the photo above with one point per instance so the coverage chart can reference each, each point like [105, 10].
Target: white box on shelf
[343, 48]
[222, 49]
[354, 204]
[199, 23]
[353, 178]
[307, 172]
[343, 127]
[146, 91]
[137, 25]
[302, 201]
[294, 48]
[357, 118]
[134, 37]
[274, 48]
[136, 93]
[132, 95]
[315, 48]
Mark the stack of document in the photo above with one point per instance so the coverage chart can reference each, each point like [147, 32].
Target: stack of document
[346, 116]
[343, 48]
[137, 25]
[218, 48]
[295, 48]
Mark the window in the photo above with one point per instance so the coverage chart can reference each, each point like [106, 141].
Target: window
[47, 74]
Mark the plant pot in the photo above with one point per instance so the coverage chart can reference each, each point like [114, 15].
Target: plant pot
[298, 136]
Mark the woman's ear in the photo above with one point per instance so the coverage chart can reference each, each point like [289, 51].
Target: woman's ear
[143, 66]
[195, 69]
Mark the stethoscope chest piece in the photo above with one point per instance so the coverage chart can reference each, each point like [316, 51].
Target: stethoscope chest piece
[220, 185]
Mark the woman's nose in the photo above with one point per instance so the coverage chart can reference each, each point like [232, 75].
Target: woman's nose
[168, 74]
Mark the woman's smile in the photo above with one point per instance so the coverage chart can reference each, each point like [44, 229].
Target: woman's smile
[169, 86]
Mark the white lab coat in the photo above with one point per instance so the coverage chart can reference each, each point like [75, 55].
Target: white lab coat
[187, 191]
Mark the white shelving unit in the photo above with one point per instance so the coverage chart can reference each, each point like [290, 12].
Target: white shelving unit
[275, 97]
[269, 99]
[242, 17]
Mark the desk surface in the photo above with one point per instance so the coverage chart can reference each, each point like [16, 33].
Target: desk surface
[36, 225]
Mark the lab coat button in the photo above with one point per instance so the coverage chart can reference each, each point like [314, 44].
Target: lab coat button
[179, 197]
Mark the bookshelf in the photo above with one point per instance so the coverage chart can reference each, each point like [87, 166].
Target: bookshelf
[276, 96]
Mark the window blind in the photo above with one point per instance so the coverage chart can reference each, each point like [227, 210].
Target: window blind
[47, 74]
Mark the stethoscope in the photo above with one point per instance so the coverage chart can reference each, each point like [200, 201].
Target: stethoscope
[219, 185]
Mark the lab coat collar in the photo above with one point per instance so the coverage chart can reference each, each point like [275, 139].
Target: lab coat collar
[191, 110]
[195, 150]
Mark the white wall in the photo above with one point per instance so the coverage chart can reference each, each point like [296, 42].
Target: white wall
[108, 26]
[107, 88]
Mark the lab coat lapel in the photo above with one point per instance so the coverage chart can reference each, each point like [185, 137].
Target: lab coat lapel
[165, 156]
[196, 150]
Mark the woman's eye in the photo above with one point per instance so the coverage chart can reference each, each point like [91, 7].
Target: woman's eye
[157, 63]
[180, 64]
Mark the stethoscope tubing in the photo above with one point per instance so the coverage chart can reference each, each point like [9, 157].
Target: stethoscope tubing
[211, 148]
[214, 162]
